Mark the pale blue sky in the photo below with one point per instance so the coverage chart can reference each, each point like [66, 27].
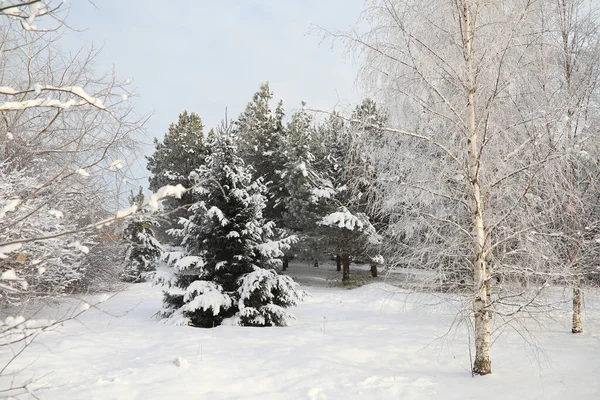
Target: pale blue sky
[203, 55]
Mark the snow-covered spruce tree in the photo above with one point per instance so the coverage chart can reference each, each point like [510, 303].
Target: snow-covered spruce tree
[230, 268]
[302, 180]
[263, 144]
[144, 249]
[182, 150]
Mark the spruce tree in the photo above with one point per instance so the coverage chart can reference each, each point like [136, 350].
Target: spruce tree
[231, 258]
[145, 250]
[346, 226]
[263, 146]
[329, 182]
[182, 150]
[304, 187]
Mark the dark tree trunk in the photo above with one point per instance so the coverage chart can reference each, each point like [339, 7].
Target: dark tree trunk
[346, 268]
[286, 263]
[374, 269]
[316, 264]
[338, 262]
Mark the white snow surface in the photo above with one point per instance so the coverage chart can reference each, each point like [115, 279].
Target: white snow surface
[373, 342]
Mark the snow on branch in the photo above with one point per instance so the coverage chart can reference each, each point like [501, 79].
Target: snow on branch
[84, 98]
[343, 219]
[27, 11]
[206, 295]
[151, 202]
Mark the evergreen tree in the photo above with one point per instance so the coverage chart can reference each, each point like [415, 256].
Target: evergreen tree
[182, 150]
[346, 225]
[231, 257]
[145, 250]
[329, 181]
[304, 187]
[263, 146]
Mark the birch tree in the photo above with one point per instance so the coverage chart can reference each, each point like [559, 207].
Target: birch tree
[577, 45]
[465, 172]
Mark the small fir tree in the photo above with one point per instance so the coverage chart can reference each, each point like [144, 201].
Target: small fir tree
[145, 250]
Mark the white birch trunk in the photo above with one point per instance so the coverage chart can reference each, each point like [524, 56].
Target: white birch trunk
[483, 363]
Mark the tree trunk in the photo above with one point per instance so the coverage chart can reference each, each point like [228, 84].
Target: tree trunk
[577, 324]
[483, 362]
[338, 262]
[346, 268]
[481, 281]
[286, 263]
[373, 269]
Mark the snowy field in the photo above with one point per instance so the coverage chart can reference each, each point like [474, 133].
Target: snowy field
[371, 342]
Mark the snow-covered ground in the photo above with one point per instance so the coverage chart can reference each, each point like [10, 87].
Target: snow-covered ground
[372, 342]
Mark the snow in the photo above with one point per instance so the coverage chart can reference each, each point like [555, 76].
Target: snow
[10, 248]
[206, 296]
[7, 90]
[9, 275]
[78, 91]
[270, 249]
[180, 362]
[215, 212]
[12, 322]
[56, 213]
[165, 191]
[373, 342]
[22, 105]
[326, 193]
[189, 261]
[9, 206]
[82, 172]
[47, 102]
[118, 164]
[342, 219]
[127, 211]
[302, 167]
[78, 246]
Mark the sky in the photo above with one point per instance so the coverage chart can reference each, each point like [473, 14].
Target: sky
[206, 55]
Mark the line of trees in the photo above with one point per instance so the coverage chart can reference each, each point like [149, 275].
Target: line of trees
[488, 175]
[478, 164]
[276, 189]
